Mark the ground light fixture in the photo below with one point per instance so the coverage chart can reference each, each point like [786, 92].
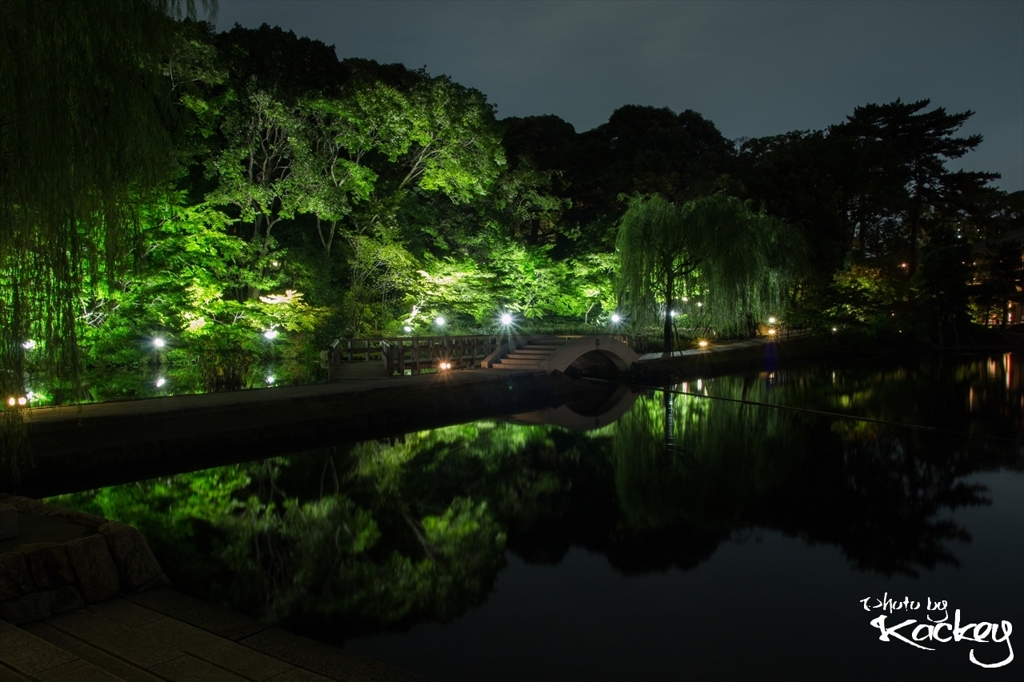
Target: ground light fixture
[445, 365]
[702, 343]
[771, 332]
[270, 334]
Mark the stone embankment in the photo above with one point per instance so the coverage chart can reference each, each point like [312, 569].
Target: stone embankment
[92, 560]
[83, 598]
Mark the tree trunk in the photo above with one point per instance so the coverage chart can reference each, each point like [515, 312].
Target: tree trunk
[668, 312]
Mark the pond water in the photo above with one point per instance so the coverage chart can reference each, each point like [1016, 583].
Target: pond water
[695, 536]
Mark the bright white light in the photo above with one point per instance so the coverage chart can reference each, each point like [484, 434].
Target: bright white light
[685, 300]
[446, 365]
[29, 345]
[616, 318]
[671, 313]
[158, 342]
[270, 334]
[699, 304]
[22, 401]
[703, 344]
[407, 329]
[439, 321]
[160, 382]
[506, 319]
[30, 395]
[270, 379]
[834, 329]
[274, 264]
[11, 401]
[771, 332]
[771, 320]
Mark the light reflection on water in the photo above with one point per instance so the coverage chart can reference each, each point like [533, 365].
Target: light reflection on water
[723, 538]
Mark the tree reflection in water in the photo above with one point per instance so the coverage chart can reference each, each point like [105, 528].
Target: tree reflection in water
[387, 533]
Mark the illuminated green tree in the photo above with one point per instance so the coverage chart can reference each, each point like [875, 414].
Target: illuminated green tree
[84, 113]
[739, 262]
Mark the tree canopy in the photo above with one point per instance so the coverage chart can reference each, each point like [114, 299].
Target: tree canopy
[729, 265]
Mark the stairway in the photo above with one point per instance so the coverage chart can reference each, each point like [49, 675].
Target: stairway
[530, 356]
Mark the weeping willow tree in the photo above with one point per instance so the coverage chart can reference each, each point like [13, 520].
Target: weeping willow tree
[84, 120]
[739, 262]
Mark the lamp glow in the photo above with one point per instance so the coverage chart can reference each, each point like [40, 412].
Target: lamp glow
[407, 329]
[439, 321]
[506, 319]
[699, 304]
[158, 342]
[11, 401]
[671, 313]
[270, 379]
[22, 401]
[834, 329]
[771, 320]
[270, 334]
[615, 318]
[703, 343]
[771, 332]
[160, 382]
[28, 345]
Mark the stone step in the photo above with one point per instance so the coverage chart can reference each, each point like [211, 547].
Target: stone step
[530, 353]
[520, 362]
[501, 365]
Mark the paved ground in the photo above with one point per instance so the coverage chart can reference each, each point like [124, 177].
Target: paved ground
[712, 348]
[166, 635]
[359, 380]
[258, 395]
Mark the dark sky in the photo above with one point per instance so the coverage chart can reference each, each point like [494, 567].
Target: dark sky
[753, 68]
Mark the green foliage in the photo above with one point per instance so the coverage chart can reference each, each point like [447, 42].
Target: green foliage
[739, 264]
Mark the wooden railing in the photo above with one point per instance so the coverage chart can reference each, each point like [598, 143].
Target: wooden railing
[413, 354]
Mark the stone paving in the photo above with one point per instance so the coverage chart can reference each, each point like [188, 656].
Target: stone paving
[165, 635]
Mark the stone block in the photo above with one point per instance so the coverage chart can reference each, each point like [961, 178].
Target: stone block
[40, 605]
[22, 503]
[47, 564]
[94, 569]
[131, 554]
[8, 521]
[14, 576]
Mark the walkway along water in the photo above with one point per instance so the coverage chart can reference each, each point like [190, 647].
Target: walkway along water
[79, 447]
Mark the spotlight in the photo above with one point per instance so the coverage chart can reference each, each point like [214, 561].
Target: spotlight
[703, 343]
[270, 379]
[506, 319]
[615, 318]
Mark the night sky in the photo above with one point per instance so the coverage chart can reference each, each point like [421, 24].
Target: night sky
[753, 68]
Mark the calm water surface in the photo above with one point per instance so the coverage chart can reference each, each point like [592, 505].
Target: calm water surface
[693, 537]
